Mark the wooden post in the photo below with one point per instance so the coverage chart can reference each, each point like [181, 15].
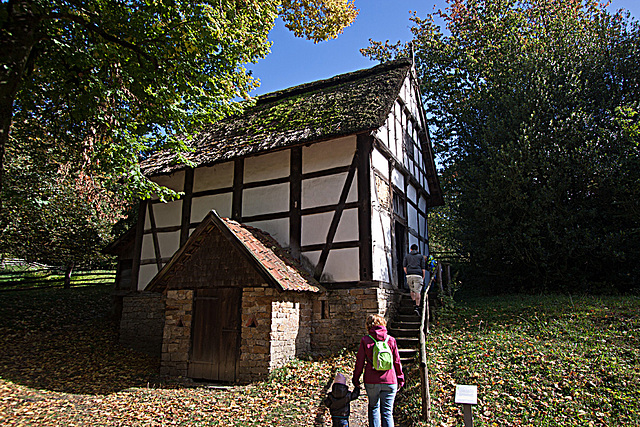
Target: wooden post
[424, 371]
[467, 395]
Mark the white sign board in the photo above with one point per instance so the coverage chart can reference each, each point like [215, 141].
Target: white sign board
[467, 394]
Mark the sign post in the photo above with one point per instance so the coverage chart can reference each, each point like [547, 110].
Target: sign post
[467, 395]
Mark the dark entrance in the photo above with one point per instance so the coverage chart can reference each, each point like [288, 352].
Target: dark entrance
[400, 232]
[215, 334]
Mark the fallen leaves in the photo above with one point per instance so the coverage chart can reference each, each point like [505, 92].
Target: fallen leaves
[61, 364]
[536, 361]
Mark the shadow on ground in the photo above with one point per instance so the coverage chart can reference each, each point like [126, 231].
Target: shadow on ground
[64, 340]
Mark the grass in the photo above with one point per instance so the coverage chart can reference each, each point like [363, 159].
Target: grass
[25, 277]
[537, 361]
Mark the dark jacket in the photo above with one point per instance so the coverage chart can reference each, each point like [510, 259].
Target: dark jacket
[414, 262]
[339, 398]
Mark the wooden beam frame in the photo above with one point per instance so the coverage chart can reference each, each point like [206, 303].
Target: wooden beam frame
[337, 215]
[364, 149]
[238, 177]
[186, 206]
[137, 245]
[295, 202]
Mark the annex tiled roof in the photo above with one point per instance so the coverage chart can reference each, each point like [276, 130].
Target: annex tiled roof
[277, 262]
[263, 252]
[342, 105]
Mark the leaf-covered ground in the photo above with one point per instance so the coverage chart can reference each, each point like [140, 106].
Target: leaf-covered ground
[537, 361]
[60, 364]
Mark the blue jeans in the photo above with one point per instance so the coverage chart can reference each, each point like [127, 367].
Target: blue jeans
[339, 422]
[381, 397]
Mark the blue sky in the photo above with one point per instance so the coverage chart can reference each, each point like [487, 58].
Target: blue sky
[295, 61]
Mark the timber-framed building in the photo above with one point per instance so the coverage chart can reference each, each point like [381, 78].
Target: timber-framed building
[291, 230]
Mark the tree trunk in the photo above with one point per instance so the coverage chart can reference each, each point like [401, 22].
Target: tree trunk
[18, 36]
[67, 275]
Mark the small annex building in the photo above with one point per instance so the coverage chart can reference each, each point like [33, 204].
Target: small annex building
[291, 229]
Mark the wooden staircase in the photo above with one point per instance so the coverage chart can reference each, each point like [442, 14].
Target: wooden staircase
[405, 328]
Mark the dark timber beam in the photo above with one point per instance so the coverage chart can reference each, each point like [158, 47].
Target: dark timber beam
[364, 149]
[295, 201]
[137, 245]
[238, 176]
[186, 206]
[154, 233]
[335, 221]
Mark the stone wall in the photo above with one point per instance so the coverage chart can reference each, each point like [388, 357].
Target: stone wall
[290, 329]
[177, 333]
[276, 327]
[142, 322]
[256, 328]
[339, 316]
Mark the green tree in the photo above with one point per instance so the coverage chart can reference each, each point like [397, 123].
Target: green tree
[88, 87]
[529, 101]
[115, 79]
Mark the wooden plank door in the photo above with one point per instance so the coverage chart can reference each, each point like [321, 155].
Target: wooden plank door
[215, 334]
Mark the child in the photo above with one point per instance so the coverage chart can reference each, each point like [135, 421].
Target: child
[338, 401]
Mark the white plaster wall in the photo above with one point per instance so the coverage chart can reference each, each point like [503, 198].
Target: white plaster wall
[264, 200]
[169, 243]
[412, 194]
[166, 214]
[399, 152]
[391, 125]
[413, 240]
[267, 166]
[343, 265]
[315, 227]
[412, 219]
[397, 179]
[382, 134]
[329, 154]
[147, 247]
[201, 206]
[277, 228]
[422, 223]
[147, 272]
[213, 177]
[325, 190]
[422, 204]
[381, 239]
[174, 181]
[380, 163]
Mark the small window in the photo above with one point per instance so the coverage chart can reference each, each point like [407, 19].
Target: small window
[399, 205]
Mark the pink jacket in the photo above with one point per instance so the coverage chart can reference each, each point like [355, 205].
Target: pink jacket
[365, 354]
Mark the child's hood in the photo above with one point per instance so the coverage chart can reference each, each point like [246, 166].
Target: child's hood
[378, 332]
[339, 390]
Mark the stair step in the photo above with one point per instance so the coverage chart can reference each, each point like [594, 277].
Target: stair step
[403, 332]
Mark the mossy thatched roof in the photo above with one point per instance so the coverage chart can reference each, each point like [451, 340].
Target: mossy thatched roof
[342, 105]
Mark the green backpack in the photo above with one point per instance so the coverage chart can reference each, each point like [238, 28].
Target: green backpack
[382, 356]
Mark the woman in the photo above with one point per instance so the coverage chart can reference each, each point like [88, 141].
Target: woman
[381, 386]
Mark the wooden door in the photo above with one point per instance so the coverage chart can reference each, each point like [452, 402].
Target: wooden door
[215, 334]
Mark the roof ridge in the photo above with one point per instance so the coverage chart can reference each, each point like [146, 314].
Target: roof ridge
[331, 81]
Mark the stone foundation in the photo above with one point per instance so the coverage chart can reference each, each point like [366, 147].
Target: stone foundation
[276, 326]
[339, 316]
[177, 333]
[142, 322]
